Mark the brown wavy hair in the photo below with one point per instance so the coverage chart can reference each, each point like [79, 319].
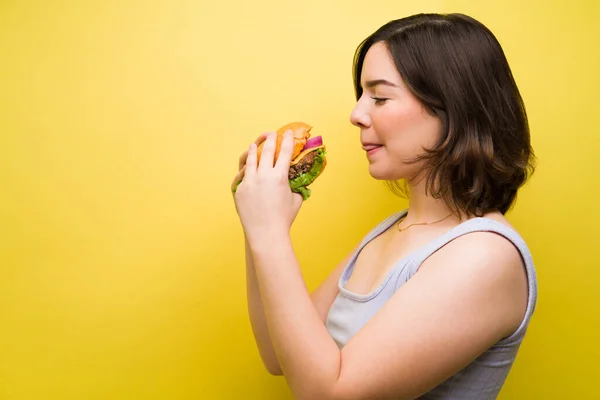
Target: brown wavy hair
[457, 69]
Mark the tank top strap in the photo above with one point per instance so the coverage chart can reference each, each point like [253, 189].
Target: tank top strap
[372, 234]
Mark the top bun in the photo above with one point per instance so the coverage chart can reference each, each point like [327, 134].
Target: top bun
[301, 134]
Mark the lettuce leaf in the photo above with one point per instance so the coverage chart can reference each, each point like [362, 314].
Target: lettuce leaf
[300, 183]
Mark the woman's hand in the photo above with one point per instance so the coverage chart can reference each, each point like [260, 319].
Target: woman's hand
[264, 201]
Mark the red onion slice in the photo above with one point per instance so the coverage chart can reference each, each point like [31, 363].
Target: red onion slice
[313, 142]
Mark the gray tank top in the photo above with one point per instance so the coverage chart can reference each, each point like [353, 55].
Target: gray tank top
[484, 377]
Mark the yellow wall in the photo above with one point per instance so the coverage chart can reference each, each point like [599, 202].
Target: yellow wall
[121, 256]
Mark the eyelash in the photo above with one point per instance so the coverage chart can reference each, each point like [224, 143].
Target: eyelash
[379, 100]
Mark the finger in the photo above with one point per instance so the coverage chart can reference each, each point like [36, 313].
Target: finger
[244, 156]
[238, 178]
[242, 160]
[285, 154]
[268, 152]
[261, 138]
[250, 170]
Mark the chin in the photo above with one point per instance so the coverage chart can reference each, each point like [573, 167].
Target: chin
[386, 171]
[383, 174]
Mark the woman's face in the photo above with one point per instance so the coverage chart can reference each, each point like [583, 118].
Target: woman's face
[394, 126]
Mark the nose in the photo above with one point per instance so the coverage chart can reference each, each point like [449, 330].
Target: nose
[360, 116]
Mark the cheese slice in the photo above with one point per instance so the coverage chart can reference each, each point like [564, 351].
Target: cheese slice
[303, 153]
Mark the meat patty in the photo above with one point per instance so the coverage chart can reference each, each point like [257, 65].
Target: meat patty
[303, 166]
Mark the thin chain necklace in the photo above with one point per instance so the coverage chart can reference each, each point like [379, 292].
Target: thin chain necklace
[420, 223]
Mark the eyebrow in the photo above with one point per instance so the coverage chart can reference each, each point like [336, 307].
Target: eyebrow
[373, 83]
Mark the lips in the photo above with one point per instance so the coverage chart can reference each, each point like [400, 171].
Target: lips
[370, 148]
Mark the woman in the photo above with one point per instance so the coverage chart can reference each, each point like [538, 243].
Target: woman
[435, 301]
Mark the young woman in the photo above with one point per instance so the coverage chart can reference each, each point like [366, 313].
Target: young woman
[435, 301]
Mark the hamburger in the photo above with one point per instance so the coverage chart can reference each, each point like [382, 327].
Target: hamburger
[308, 157]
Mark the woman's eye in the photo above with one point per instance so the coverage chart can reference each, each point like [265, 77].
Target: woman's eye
[379, 100]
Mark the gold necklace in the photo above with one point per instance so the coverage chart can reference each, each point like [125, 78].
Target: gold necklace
[420, 223]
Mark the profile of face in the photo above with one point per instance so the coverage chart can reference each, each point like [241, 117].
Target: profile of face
[394, 125]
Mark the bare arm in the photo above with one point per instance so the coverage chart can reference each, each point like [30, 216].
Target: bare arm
[322, 298]
[255, 306]
[257, 318]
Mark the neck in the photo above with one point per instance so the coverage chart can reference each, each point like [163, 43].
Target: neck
[423, 207]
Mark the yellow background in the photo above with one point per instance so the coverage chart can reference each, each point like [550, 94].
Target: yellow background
[121, 256]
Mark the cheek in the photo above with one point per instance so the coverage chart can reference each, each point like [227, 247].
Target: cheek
[407, 130]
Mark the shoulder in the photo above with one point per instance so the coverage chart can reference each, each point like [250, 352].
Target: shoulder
[493, 266]
[488, 241]
[484, 248]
